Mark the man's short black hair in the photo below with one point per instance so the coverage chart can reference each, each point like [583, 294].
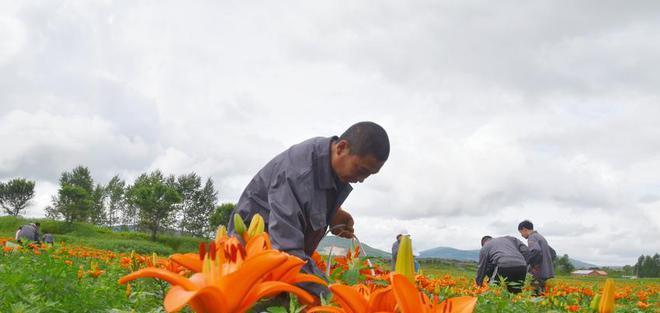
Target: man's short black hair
[37, 223]
[366, 138]
[526, 224]
[484, 239]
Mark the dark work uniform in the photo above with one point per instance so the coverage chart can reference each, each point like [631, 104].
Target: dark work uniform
[540, 261]
[506, 257]
[297, 193]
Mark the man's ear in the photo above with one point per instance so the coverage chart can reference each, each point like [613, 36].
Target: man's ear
[342, 145]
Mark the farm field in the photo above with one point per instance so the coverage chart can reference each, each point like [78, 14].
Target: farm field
[73, 277]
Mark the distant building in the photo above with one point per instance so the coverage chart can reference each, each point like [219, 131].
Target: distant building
[589, 273]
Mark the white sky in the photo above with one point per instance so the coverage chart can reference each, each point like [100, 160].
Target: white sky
[546, 110]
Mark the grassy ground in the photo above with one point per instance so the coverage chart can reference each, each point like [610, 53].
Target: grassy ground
[103, 237]
[439, 268]
[62, 279]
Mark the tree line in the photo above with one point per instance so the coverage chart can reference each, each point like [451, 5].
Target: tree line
[647, 266]
[155, 202]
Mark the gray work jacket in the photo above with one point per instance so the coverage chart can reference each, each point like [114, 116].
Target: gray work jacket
[395, 252]
[501, 252]
[30, 232]
[297, 194]
[541, 266]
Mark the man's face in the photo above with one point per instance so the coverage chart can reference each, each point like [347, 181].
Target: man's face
[351, 168]
[524, 232]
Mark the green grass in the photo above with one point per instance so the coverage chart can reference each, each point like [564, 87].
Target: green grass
[35, 283]
[441, 267]
[103, 237]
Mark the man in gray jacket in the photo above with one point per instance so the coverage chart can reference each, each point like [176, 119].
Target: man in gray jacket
[540, 256]
[395, 250]
[29, 232]
[300, 191]
[503, 257]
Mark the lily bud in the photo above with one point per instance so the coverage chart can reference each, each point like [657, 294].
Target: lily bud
[607, 300]
[239, 225]
[257, 226]
[595, 302]
[404, 259]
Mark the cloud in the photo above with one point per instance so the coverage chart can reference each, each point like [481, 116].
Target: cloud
[41, 145]
[543, 110]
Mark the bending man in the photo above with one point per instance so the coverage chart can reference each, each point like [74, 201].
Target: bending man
[503, 257]
[300, 191]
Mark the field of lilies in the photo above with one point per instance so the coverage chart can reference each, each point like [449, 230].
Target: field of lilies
[232, 274]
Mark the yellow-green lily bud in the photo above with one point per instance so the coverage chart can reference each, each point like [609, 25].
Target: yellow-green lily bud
[404, 259]
[595, 302]
[239, 225]
[256, 226]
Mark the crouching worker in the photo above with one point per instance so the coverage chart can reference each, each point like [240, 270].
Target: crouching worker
[540, 256]
[48, 238]
[29, 232]
[503, 258]
[300, 191]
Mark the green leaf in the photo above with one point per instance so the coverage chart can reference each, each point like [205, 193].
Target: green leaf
[276, 309]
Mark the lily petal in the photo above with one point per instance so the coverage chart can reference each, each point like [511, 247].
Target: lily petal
[349, 298]
[209, 298]
[239, 283]
[464, 304]
[326, 309]
[272, 288]
[172, 278]
[308, 278]
[190, 261]
[382, 300]
[407, 296]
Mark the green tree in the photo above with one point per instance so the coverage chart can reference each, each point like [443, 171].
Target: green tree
[648, 266]
[638, 265]
[628, 270]
[221, 215]
[116, 206]
[15, 195]
[188, 186]
[76, 198]
[197, 205]
[72, 203]
[564, 265]
[155, 201]
[97, 214]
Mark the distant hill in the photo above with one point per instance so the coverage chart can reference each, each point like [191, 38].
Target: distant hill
[345, 244]
[581, 265]
[450, 253]
[473, 255]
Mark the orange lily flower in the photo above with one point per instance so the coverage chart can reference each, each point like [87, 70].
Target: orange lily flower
[402, 296]
[288, 272]
[359, 299]
[223, 289]
[410, 300]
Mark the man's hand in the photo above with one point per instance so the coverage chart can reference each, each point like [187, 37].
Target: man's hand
[342, 224]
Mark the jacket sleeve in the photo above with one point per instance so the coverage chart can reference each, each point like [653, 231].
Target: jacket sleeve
[535, 251]
[286, 225]
[482, 270]
[553, 253]
[522, 248]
